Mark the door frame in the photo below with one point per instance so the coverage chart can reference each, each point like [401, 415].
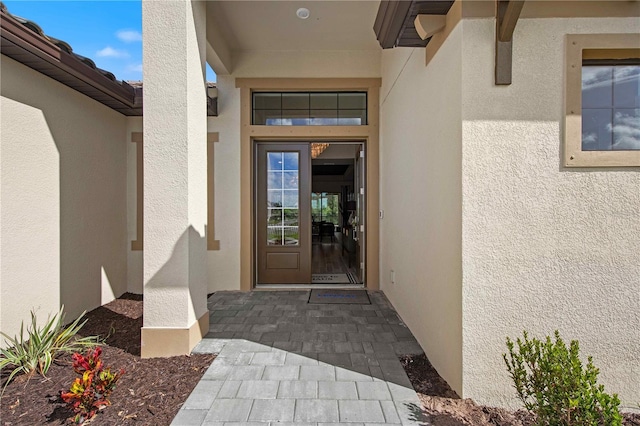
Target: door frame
[363, 218]
[367, 134]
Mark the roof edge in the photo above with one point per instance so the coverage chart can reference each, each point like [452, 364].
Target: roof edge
[21, 42]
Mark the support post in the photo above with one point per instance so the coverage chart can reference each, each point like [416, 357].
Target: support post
[175, 177]
[507, 14]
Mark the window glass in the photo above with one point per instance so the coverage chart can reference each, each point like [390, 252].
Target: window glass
[610, 107]
[352, 117]
[325, 207]
[597, 87]
[295, 101]
[323, 117]
[269, 117]
[309, 108]
[626, 129]
[626, 86]
[267, 101]
[282, 198]
[352, 101]
[296, 117]
[324, 100]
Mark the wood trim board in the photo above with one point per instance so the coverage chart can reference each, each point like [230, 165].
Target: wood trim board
[249, 134]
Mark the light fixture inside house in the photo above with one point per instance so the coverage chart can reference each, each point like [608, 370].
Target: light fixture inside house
[303, 13]
[317, 149]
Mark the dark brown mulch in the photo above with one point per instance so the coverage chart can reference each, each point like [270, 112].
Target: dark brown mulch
[150, 393]
[444, 407]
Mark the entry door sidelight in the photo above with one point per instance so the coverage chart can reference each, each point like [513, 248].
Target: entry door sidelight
[283, 185]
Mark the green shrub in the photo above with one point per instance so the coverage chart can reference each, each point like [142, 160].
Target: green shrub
[552, 383]
[42, 345]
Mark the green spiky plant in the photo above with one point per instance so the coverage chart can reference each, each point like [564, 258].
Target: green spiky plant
[36, 351]
[551, 382]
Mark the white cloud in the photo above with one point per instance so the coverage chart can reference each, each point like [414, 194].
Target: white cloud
[134, 68]
[110, 52]
[626, 130]
[129, 36]
[589, 140]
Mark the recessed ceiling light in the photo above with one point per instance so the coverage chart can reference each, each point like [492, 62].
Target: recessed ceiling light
[303, 13]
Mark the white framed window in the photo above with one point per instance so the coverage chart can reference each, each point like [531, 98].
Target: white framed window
[602, 101]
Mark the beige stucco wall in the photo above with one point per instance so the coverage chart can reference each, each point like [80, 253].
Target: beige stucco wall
[224, 264]
[175, 161]
[311, 63]
[63, 199]
[134, 257]
[544, 247]
[420, 194]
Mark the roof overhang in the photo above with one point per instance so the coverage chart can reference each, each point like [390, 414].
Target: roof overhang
[21, 43]
[25, 42]
[395, 22]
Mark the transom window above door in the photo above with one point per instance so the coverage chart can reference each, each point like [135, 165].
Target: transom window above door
[309, 108]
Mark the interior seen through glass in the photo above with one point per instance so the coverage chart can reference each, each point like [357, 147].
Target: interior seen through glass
[337, 211]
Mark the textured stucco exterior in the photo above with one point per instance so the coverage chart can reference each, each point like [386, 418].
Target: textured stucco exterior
[174, 161]
[543, 247]
[224, 264]
[421, 196]
[134, 257]
[502, 237]
[63, 199]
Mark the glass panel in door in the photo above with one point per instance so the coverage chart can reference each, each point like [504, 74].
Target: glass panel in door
[283, 198]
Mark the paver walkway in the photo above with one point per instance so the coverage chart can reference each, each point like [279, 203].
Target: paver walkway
[283, 361]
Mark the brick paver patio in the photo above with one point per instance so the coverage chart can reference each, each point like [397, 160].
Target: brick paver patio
[283, 361]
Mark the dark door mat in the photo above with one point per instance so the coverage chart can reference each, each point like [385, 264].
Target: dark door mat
[324, 296]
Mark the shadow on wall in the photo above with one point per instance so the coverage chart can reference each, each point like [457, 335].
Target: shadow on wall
[93, 221]
[87, 224]
[164, 294]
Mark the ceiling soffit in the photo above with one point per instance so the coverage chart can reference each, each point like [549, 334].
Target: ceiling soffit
[273, 25]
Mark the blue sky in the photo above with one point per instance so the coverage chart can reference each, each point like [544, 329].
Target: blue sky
[108, 32]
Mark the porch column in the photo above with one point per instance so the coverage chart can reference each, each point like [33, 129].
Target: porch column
[175, 176]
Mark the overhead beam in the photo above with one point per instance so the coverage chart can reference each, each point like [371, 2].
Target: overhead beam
[508, 17]
[427, 25]
[507, 14]
[218, 48]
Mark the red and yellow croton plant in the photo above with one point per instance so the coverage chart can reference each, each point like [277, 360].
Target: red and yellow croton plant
[90, 392]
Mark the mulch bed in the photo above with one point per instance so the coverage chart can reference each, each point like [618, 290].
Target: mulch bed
[150, 393]
[444, 407]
